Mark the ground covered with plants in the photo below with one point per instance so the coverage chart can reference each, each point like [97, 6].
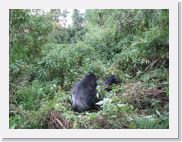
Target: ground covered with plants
[47, 56]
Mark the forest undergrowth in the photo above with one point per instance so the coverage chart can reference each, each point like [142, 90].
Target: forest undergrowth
[47, 56]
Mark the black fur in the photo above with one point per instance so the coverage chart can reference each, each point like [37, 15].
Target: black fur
[110, 81]
[84, 93]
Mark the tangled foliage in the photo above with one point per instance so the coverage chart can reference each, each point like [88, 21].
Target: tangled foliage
[47, 58]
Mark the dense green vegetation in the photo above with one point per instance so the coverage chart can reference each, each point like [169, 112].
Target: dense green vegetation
[46, 58]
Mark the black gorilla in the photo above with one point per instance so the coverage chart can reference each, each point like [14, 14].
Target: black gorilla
[84, 93]
[109, 81]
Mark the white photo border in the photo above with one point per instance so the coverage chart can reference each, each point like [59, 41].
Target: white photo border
[171, 133]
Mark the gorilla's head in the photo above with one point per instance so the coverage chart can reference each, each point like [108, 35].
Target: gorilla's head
[91, 78]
